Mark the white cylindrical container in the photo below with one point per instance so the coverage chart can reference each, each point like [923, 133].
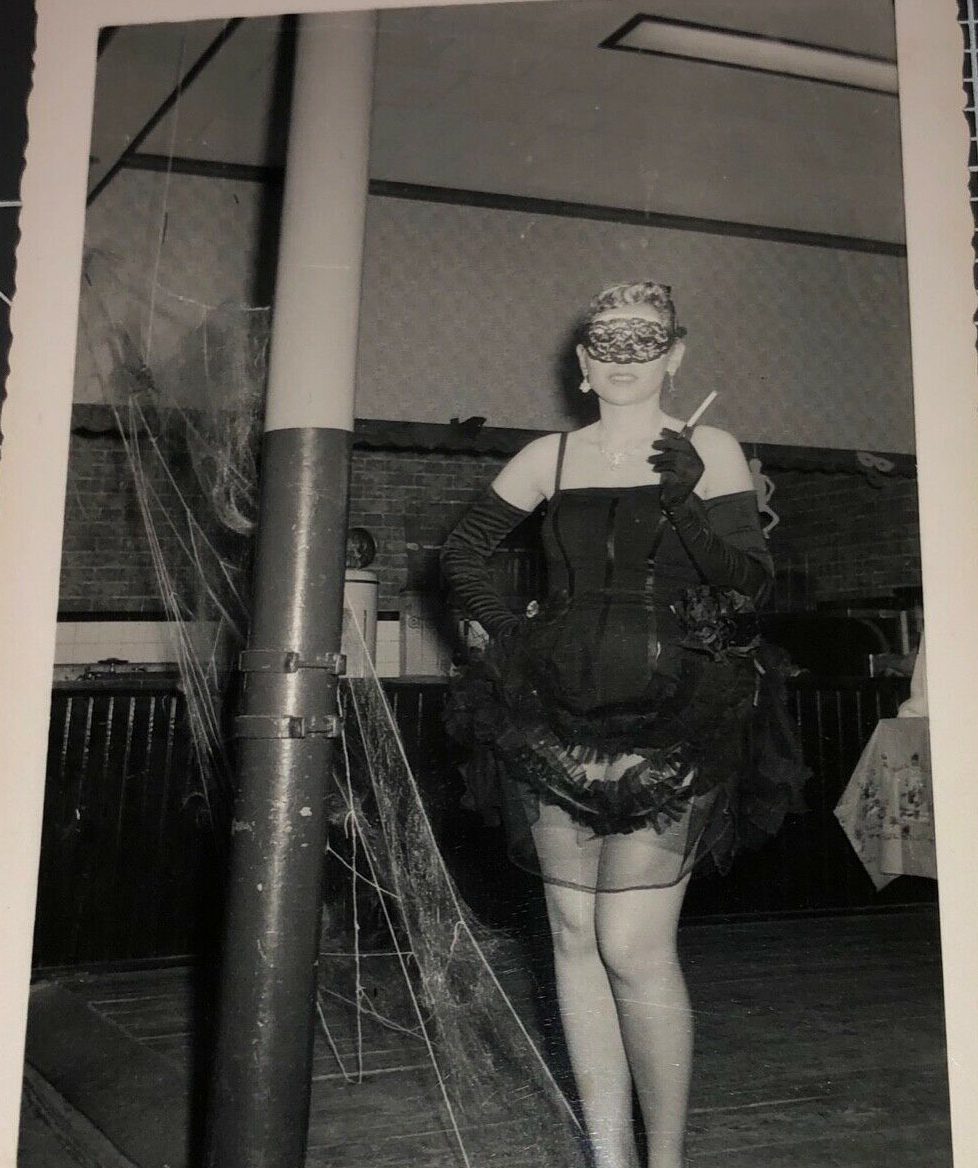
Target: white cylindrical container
[359, 620]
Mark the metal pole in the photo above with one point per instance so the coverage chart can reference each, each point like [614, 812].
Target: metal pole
[259, 1104]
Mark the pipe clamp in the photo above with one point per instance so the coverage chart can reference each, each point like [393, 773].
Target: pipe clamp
[288, 661]
[271, 726]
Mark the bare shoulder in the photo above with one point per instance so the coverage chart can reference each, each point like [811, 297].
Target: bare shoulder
[710, 440]
[528, 477]
[726, 467]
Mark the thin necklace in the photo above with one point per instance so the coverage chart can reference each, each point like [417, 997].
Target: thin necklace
[617, 457]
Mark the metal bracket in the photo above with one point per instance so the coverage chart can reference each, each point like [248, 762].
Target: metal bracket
[288, 726]
[288, 661]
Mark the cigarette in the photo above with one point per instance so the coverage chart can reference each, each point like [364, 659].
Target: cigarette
[701, 410]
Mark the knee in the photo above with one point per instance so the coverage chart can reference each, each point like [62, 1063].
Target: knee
[572, 930]
[633, 955]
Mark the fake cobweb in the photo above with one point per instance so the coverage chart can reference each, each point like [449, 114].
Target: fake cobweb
[190, 423]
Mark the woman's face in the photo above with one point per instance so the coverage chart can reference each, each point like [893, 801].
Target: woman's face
[627, 354]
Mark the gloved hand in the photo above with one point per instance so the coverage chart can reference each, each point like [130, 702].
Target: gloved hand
[679, 466]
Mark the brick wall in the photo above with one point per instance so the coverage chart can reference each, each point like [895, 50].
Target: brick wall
[409, 502]
[843, 536]
[107, 563]
[838, 536]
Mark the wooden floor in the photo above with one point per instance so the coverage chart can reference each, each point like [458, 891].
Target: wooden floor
[819, 1043]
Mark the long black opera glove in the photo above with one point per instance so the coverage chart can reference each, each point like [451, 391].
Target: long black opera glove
[465, 562]
[723, 538]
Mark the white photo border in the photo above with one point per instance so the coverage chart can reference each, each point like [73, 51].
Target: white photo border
[37, 412]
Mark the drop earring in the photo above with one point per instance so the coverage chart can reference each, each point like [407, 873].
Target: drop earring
[585, 384]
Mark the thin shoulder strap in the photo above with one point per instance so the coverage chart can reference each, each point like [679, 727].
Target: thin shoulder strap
[561, 448]
[553, 512]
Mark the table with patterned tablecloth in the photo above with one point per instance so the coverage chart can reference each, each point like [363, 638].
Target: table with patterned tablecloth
[887, 810]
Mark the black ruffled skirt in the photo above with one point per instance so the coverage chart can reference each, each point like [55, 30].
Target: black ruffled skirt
[698, 762]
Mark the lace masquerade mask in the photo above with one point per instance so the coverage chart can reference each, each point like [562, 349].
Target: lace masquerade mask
[623, 340]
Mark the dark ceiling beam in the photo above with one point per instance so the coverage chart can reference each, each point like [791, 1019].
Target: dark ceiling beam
[105, 38]
[382, 188]
[95, 420]
[164, 108]
[206, 168]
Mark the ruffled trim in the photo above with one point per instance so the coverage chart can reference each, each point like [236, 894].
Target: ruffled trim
[655, 792]
[725, 732]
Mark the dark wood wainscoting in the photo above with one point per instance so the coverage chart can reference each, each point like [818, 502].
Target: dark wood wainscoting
[131, 868]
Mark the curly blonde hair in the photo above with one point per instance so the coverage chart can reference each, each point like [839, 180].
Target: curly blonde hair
[645, 292]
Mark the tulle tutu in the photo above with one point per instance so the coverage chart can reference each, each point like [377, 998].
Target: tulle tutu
[708, 758]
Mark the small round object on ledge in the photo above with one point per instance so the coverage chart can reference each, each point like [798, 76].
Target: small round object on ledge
[361, 548]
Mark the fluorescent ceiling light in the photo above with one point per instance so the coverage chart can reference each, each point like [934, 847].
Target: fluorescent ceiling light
[747, 50]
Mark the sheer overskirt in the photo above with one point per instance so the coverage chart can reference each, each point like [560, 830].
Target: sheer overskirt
[633, 732]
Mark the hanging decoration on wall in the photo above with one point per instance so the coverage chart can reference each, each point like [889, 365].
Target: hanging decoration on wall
[874, 467]
[470, 427]
[764, 488]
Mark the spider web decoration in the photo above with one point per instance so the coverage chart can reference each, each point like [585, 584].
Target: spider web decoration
[499, 1099]
[191, 428]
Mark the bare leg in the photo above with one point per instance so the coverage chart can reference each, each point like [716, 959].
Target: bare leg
[637, 938]
[587, 1007]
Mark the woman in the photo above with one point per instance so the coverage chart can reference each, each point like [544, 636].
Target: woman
[622, 717]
